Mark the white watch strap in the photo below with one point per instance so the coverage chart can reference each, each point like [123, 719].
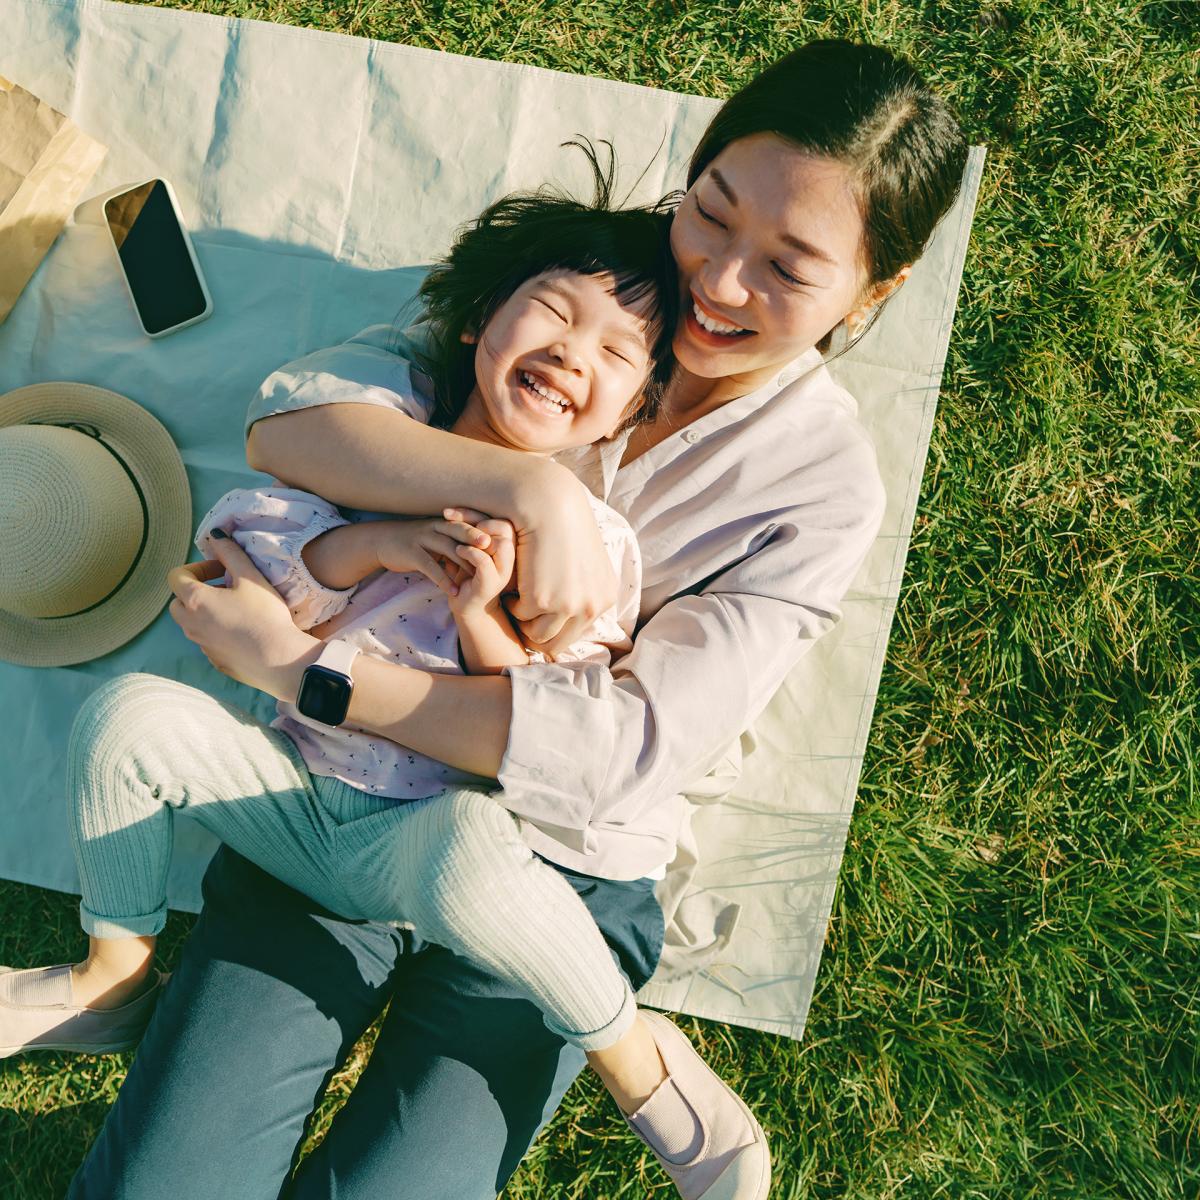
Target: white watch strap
[337, 656]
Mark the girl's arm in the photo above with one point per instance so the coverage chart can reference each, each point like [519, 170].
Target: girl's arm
[486, 636]
[373, 457]
[343, 557]
[274, 526]
[488, 641]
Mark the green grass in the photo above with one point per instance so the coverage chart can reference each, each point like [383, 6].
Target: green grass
[1009, 999]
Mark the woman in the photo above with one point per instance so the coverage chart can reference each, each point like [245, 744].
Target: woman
[755, 497]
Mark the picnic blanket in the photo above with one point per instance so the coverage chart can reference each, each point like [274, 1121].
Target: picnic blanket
[318, 172]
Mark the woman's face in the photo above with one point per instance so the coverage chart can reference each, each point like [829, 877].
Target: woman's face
[768, 242]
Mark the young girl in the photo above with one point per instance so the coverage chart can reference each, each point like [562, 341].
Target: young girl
[551, 328]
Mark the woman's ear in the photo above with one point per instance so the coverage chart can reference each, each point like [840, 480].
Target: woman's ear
[468, 337]
[874, 298]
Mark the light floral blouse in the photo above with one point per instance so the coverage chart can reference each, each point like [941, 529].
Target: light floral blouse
[401, 618]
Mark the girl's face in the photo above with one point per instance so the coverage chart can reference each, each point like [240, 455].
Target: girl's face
[768, 241]
[558, 365]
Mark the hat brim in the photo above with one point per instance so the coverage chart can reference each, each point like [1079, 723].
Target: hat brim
[147, 448]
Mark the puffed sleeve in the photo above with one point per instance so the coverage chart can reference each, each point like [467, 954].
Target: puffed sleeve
[374, 367]
[273, 525]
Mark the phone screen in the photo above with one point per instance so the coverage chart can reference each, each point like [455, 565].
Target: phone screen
[161, 276]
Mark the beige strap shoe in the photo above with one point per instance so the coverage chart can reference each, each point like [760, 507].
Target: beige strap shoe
[699, 1129]
[36, 1013]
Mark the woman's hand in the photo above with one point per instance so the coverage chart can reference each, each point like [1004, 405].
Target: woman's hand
[565, 579]
[245, 630]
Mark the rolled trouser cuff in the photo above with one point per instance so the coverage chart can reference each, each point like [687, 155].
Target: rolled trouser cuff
[607, 1035]
[147, 925]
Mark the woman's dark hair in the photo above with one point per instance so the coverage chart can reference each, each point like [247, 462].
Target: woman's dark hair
[527, 234]
[870, 110]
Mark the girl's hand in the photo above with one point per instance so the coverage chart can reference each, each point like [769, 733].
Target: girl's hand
[482, 575]
[428, 545]
[565, 579]
[245, 630]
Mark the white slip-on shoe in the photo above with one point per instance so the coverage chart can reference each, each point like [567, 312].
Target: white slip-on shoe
[719, 1151]
[37, 1013]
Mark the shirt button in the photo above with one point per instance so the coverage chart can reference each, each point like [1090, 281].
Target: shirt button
[691, 436]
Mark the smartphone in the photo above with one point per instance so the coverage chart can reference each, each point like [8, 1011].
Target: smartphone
[157, 258]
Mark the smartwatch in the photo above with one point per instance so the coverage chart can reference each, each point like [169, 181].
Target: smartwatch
[327, 685]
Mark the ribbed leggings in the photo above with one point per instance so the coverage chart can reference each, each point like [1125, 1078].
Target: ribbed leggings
[143, 748]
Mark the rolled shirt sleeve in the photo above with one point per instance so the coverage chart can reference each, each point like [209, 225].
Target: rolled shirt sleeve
[273, 525]
[596, 749]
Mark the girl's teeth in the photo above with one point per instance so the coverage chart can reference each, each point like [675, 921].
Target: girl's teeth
[556, 402]
[712, 326]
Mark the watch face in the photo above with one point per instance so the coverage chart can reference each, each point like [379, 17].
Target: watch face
[324, 695]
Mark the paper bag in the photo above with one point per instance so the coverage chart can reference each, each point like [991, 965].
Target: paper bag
[45, 163]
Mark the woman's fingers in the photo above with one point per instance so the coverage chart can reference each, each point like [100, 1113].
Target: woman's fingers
[180, 579]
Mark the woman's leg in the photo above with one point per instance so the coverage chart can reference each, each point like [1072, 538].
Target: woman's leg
[465, 1072]
[463, 1075]
[458, 868]
[269, 996]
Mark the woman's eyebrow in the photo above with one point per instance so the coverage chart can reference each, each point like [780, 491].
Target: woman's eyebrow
[805, 248]
[723, 185]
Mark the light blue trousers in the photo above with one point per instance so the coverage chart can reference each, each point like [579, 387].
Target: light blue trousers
[455, 867]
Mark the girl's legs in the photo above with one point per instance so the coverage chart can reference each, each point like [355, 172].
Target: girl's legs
[142, 747]
[114, 972]
[457, 868]
[631, 1068]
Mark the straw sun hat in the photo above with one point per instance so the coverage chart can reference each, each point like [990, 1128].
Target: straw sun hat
[95, 508]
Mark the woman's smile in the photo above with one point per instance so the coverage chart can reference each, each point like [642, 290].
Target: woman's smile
[709, 328]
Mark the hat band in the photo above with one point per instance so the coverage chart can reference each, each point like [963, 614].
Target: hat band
[93, 432]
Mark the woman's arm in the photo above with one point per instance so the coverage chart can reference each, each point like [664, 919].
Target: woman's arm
[376, 458]
[573, 744]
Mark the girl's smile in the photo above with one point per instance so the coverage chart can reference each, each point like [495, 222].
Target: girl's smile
[559, 365]
[539, 391]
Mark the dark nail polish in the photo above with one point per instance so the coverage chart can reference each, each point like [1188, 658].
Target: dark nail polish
[219, 533]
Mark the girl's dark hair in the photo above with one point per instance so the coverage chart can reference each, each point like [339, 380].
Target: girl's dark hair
[527, 234]
[870, 110]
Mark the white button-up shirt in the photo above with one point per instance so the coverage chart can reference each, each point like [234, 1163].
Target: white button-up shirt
[752, 520]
